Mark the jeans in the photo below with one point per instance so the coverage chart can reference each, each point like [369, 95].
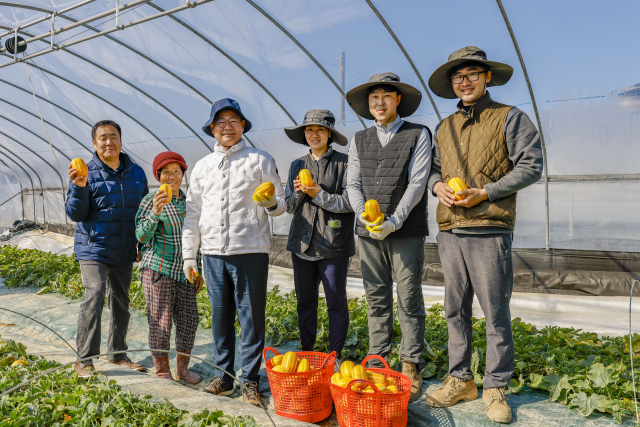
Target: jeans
[237, 283]
[99, 278]
[307, 276]
[479, 264]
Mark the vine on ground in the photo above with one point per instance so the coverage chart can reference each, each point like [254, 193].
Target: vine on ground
[577, 368]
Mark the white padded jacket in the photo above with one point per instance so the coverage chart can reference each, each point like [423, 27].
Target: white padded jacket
[221, 217]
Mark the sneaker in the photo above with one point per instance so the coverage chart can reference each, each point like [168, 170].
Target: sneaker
[411, 370]
[250, 394]
[218, 387]
[85, 369]
[498, 409]
[126, 362]
[336, 367]
[452, 391]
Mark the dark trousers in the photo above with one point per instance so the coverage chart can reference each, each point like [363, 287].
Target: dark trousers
[400, 258]
[99, 278]
[237, 284]
[307, 276]
[479, 264]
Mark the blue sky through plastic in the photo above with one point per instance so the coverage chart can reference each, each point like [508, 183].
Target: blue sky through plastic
[580, 55]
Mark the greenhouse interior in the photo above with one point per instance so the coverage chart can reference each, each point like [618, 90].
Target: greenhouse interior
[156, 68]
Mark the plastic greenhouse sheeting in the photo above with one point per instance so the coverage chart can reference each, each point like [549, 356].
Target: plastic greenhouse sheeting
[280, 58]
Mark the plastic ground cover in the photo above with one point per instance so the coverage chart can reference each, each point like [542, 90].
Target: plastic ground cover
[531, 408]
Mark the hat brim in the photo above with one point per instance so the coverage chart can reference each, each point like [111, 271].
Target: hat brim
[207, 127]
[358, 99]
[296, 134]
[440, 81]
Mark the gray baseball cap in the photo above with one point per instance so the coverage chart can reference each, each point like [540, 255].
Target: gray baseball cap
[316, 117]
[440, 80]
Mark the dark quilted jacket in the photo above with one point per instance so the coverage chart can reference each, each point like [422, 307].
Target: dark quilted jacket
[105, 211]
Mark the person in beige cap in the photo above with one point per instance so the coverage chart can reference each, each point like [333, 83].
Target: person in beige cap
[390, 162]
[496, 151]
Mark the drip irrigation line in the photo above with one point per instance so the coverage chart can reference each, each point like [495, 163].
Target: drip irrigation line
[42, 324]
[633, 377]
[22, 384]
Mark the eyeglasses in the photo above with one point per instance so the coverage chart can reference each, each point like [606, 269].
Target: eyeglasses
[471, 77]
[223, 123]
[167, 174]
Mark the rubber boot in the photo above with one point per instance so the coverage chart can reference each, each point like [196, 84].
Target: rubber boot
[182, 369]
[163, 371]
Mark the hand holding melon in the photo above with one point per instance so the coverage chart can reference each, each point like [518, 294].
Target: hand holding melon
[372, 217]
[78, 172]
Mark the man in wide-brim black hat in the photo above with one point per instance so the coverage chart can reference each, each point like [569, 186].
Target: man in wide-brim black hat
[496, 151]
[389, 162]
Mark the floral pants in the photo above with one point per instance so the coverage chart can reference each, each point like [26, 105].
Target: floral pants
[169, 300]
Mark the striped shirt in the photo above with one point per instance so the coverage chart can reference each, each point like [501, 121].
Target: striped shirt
[162, 235]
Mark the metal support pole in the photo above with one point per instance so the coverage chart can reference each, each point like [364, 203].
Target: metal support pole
[341, 62]
[53, 28]
[117, 12]
[535, 109]
[15, 44]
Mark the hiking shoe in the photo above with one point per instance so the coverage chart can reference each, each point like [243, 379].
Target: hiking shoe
[85, 369]
[250, 394]
[126, 362]
[336, 367]
[218, 387]
[452, 391]
[498, 409]
[411, 370]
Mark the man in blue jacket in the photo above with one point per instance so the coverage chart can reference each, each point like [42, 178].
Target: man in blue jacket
[103, 205]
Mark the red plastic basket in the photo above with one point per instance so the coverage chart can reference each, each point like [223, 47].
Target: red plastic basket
[377, 409]
[303, 396]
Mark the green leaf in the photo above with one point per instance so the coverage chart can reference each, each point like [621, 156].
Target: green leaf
[521, 365]
[478, 380]
[476, 358]
[600, 376]
[558, 387]
[429, 371]
[587, 404]
[516, 387]
[537, 381]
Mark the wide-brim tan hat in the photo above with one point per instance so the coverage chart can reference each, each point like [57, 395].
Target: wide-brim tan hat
[358, 98]
[440, 80]
[316, 117]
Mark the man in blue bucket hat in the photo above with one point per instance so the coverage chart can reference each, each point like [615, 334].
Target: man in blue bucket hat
[231, 228]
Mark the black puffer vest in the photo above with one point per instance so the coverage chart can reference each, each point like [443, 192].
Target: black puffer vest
[310, 232]
[385, 175]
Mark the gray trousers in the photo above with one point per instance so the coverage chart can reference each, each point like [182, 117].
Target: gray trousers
[401, 258]
[479, 263]
[99, 278]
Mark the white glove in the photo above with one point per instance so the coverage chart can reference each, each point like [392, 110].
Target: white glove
[364, 219]
[189, 264]
[266, 201]
[381, 231]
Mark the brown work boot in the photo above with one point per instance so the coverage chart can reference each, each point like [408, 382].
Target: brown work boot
[250, 394]
[182, 369]
[452, 391]
[218, 387]
[126, 362]
[411, 370]
[85, 369]
[498, 409]
[163, 371]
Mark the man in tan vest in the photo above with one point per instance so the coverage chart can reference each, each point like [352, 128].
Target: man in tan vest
[496, 151]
